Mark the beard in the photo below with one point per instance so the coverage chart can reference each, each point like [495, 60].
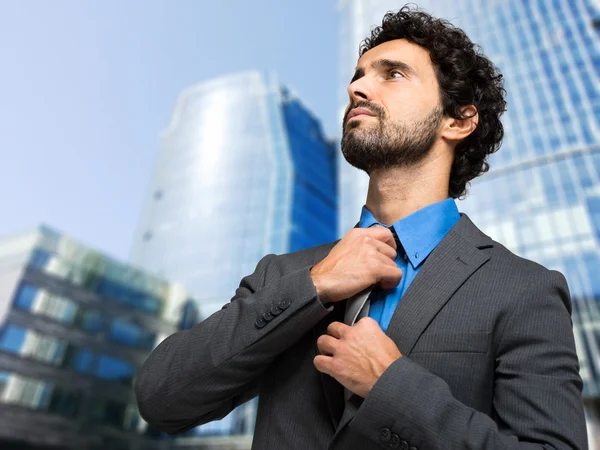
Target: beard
[388, 144]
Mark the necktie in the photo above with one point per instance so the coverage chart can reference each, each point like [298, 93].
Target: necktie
[357, 306]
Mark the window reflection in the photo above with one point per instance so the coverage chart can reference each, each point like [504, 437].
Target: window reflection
[104, 277]
[36, 394]
[42, 302]
[110, 368]
[129, 333]
[29, 344]
[117, 414]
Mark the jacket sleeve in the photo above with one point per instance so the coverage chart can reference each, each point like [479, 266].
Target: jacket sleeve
[201, 374]
[537, 389]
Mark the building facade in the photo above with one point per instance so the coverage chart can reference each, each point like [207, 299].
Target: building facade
[243, 170]
[75, 325]
[541, 197]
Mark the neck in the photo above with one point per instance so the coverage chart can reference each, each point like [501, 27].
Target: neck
[398, 192]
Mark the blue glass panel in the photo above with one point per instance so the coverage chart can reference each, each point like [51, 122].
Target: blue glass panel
[130, 333]
[593, 205]
[82, 360]
[127, 295]
[12, 338]
[583, 173]
[549, 186]
[91, 321]
[39, 258]
[189, 316]
[25, 296]
[110, 368]
[568, 187]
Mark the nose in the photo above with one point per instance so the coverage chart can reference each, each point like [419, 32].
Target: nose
[360, 90]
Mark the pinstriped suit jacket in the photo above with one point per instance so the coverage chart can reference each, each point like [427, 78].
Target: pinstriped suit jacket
[489, 359]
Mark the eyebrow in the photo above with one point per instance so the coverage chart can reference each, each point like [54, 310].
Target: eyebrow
[387, 64]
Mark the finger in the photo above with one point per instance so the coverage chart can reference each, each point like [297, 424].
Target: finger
[390, 277]
[382, 234]
[323, 363]
[385, 249]
[385, 260]
[336, 329]
[327, 345]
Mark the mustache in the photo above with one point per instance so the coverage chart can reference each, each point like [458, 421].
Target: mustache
[375, 109]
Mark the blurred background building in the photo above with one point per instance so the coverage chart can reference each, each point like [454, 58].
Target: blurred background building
[75, 325]
[244, 170]
[541, 197]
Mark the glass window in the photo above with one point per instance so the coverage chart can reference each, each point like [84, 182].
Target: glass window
[91, 321]
[12, 338]
[39, 258]
[129, 333]
[23, 391]
[582, 171]
[79, 359]
[117, 414]
[110, 368]
[30, 344]
[592, 265]
[64, 402]
[42, 302]
[25, 296]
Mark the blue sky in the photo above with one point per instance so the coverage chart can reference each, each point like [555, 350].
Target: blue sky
[86, 87]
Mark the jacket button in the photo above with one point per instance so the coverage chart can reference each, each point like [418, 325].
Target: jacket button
[404, 445]
[260, 322]
[268, 316]
[283, 304]
[395, 441]
[276, 310]
[385, 434]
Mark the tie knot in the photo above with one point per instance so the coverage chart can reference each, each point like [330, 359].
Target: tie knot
[400, 248]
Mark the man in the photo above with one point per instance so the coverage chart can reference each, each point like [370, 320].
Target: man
[415, 330]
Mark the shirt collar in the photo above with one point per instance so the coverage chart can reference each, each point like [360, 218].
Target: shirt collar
[421, 231]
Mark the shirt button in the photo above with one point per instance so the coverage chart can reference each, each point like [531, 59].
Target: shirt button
[385, 435]
[416, 255]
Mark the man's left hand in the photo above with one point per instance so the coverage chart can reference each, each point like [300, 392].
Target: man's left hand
[356, 356]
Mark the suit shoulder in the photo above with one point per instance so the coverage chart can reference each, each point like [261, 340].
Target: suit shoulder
[523, 273]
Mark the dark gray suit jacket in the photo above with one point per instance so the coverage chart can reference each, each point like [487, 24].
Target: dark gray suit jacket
[489, 359]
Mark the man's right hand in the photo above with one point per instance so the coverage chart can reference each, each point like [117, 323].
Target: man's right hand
[363, 257]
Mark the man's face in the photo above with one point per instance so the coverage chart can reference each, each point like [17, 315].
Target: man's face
[394, 112]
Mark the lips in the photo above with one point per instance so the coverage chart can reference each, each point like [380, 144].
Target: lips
[359, 112]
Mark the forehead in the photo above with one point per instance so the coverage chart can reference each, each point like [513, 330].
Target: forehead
[399, 50]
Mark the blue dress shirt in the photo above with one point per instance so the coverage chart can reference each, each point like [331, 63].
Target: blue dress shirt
[419, 234]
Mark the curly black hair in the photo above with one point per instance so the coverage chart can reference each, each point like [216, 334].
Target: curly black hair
[465, 77]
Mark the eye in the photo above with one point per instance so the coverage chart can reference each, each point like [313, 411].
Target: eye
[396, 74]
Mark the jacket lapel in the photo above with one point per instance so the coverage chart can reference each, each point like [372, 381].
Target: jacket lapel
[448, 266]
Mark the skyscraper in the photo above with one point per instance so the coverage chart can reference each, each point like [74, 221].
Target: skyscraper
[75, 325]
[244, 170]
[541, 197]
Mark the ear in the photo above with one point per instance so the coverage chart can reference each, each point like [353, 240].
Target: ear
[456, 130]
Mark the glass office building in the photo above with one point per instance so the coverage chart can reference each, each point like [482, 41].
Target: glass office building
[541, 197]
[243, 170]
[75, 325]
